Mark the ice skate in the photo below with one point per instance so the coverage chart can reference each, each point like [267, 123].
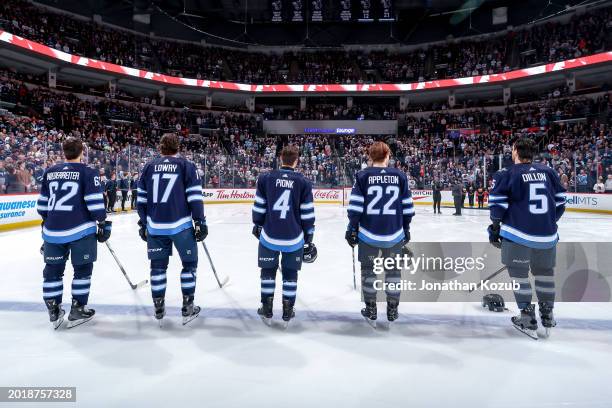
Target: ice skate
[160, 309]
[188, 310]
[547, 318]
[392, 312]
[265, 311]
[56, 313]
[79, 314]
[526, 322]
[288, 313]
[370, 313]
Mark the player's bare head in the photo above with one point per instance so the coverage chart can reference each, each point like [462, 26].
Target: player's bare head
[379, 152]
[73, 148]
[289, 156]
[523, 149]
[169, 144]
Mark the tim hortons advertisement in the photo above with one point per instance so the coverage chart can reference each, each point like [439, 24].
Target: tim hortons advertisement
[247, 195]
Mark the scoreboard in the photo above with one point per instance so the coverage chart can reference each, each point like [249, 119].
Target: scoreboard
[298, 11]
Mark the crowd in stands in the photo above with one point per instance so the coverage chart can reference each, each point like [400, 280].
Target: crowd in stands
[573, 135]
[549, 42]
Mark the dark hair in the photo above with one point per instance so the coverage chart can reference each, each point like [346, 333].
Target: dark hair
[72, 147]
[525, 148]
[169, 144]
[289, 155]
[378, 151]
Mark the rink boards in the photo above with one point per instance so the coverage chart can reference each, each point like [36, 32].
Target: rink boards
[19, 210]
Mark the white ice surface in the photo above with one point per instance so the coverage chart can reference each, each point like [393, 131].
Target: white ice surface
[450, 354]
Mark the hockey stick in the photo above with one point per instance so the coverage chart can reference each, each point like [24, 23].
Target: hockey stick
[494, 274]
[134, 287]
[221, 284]
[354, 281]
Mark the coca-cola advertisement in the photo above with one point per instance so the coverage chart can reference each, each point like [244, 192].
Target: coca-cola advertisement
[247, 195]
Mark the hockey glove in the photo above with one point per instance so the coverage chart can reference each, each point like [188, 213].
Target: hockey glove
[307, 239]
[142, 231]
[351, 237]
[104, 230]
[256, 231]
[200, 230]
[494, 237]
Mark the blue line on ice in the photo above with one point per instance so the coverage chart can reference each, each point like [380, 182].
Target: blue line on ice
[492, 319]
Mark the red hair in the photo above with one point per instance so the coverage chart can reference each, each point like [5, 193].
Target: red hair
[378, 151]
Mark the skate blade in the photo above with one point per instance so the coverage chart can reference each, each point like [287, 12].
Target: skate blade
[285, 324]
[546, 333]
[266, 320]
[187, 319]
[74, 323]
[385, 326]
[59, 321]
[529, 333]
[371, 322]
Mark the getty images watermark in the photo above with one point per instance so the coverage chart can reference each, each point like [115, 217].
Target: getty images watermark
[465, 271]
[429, 264]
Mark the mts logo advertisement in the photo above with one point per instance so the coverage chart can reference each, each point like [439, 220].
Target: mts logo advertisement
[578, 200]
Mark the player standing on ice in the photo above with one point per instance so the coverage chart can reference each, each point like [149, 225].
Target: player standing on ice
[380, 211]
[70, 204]
[283, 214]
[526, 202]
[171, 211]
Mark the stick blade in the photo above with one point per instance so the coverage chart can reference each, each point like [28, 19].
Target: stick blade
[224, 282]
[140, 284]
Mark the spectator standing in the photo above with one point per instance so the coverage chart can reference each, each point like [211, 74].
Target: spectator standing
[470, 193]
[124, 186]
[3, 175]
[609, 184]
[458, 196]
[133, 188]
[111, 192]
[480, 196]
[437, 195]
[599, 187]
[13, 182]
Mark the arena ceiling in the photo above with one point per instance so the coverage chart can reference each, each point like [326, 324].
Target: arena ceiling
[243, 23]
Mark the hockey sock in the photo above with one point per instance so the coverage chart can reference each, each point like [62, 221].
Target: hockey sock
[188, 278]
[394, 278]
[158, 277]
[367, 284]
[81, 283]
[268, 283]
[545, 285]
[53, 286]
[290, 284]
[524, 293]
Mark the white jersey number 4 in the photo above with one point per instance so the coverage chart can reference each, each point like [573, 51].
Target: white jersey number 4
[282, 204]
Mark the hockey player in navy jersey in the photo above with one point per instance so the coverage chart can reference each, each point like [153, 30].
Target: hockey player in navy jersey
[526, 202]
[380, 211]
[283, 214]
[171, 211]
[71, 205]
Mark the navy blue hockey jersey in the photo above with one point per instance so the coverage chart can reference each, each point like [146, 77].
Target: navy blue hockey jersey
[70, 202]
[169, 195]
[381, 206]
[284, 208]
[528, 199]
